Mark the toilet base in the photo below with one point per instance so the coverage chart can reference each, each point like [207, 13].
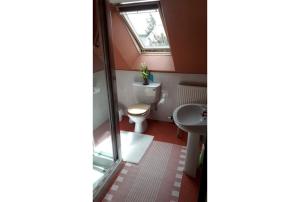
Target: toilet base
[130, 121]
[140, 122]
[140, 127]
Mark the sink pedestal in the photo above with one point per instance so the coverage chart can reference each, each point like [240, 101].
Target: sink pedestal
[192, 154]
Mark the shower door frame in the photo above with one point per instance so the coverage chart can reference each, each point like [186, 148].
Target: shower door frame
[104, 18]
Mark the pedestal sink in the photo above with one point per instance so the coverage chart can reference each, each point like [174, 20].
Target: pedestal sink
[189, 117]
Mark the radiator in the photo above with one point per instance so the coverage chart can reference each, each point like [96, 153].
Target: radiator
[189, 93]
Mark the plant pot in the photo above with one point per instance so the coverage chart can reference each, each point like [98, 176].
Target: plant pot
[145, 82]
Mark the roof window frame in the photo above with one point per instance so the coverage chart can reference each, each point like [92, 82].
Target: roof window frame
[152, 5]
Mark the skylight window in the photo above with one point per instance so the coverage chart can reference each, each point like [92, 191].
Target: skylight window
[147, 28]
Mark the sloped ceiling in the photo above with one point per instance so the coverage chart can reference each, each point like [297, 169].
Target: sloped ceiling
[126, 54]
[186, 29]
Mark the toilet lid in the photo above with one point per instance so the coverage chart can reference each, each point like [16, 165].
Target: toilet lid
[138, 109]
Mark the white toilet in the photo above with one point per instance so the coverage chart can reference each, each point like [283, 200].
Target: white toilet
[146, 95]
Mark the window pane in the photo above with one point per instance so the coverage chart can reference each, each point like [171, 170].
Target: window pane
[148, 28]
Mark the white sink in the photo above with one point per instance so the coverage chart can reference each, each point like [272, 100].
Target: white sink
[189, 117]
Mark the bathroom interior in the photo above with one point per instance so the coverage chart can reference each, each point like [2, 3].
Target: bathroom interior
[149, 100]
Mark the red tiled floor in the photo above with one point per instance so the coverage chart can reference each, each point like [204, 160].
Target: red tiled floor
[162, 131]
[166, 132]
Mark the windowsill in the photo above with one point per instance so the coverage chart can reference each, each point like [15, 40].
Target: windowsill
[156, 53]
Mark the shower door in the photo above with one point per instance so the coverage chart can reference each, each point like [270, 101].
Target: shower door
[106, 139]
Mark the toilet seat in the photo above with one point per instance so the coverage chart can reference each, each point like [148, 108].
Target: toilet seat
[138, 109]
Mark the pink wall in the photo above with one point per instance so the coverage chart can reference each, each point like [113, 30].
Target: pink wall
[187, 37]
[186, 25]
[126, 55]
[98, 57]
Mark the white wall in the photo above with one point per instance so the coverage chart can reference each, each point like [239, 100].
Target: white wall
[169, 83]
[100, 100]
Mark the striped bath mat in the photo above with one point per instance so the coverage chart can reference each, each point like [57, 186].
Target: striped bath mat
[156, 178]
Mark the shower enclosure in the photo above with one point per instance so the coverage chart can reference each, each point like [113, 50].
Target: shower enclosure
[106, 135]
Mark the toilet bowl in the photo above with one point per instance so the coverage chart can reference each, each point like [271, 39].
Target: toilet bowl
[138, 113]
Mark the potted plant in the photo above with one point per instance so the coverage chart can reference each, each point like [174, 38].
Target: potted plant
[145, 73]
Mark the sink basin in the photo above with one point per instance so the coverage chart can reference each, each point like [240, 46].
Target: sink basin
[189, 118]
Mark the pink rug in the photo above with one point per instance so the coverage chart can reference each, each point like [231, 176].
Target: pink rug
[156, 178]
